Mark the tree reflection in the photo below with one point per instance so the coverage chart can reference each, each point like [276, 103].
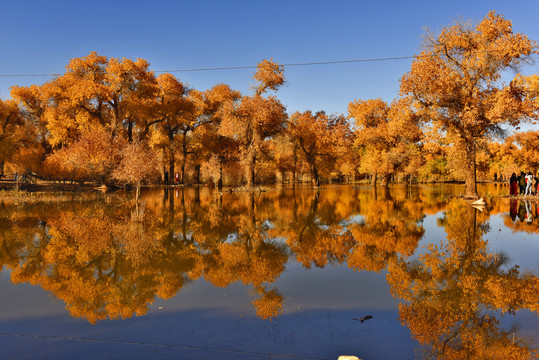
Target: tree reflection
[249, 254]
[110, 259]
[101, 265]
[454, 292]
[313, 233]
[389, 228]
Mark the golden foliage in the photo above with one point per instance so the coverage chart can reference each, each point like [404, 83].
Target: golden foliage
[456, 78]
[387, 135]
[269, 75]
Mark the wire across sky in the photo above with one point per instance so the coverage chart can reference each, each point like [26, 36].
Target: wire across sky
[240, 67]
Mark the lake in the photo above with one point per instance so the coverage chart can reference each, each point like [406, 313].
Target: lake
[408, 272]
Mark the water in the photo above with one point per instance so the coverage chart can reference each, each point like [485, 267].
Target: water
[276, 274]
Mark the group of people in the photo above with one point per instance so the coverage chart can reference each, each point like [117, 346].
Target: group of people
[523, 184]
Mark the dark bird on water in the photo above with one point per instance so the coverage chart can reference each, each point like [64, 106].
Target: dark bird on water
[363, 318]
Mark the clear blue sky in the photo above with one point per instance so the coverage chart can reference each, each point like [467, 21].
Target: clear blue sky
[41, 37]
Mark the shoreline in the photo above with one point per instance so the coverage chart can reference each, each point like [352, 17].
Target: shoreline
[9, 188]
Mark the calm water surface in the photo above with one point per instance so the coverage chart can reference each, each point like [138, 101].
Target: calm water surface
[280, 274]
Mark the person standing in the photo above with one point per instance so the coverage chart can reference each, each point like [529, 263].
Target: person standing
[513, 185]
[529, 183]
[522, 182]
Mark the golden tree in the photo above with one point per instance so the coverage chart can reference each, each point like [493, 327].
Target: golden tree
[320, 139]
[456, 79]
[96, 91]
[10, 124]
[256, 118]
[217, 150]
[93, 157]
[34, 102]
[526, 152]
[137, 164]
[386, 133]
[175, 114]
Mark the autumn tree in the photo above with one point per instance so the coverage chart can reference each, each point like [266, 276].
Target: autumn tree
[93, 157]
[386, 133]
[255, 118]
[456, 80]
[132, 89]
[10, 124]
[176, 115]
[527, 155]
[34, 103]
[503, 157]
[319, 139]
[96, 91]
[137, 164]
[285, 156]
[217, 150]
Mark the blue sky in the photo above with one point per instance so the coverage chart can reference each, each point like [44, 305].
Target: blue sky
[41, 37]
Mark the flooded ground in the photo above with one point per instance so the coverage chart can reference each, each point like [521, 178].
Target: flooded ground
[412, 272]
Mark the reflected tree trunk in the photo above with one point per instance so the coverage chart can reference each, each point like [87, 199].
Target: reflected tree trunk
[470, 170]
[387, 194]
[197, 196]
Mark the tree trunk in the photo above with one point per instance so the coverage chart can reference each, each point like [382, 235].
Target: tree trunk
[387, 194]
[251, 171]
[130, 131]
[197, 174]
[197, 195]
[470, 170]
[171, 157]
[385, 180]
[220, 181]
[373, 180]
[137, 193]
[295, 167]
[314, 174]
[184, 157]
[170, 171]
[471, 233]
